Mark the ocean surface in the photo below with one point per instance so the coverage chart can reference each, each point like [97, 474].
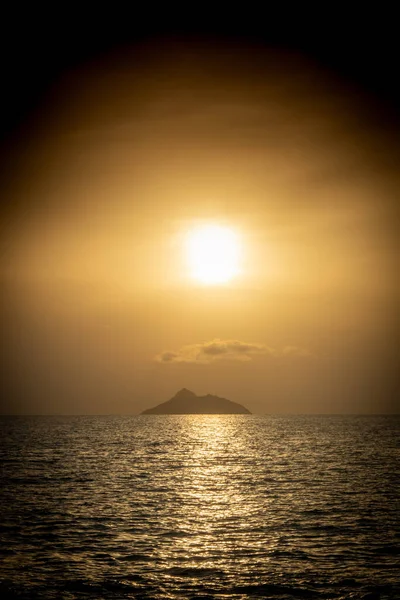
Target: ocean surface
[239, 507]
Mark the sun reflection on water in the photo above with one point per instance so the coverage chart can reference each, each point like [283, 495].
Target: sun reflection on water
[215, 504]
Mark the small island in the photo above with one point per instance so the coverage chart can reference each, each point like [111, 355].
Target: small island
[186, 402]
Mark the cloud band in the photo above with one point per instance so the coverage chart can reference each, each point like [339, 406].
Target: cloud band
[227, 350]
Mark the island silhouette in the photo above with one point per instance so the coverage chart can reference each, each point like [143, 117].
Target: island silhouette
[186, 402]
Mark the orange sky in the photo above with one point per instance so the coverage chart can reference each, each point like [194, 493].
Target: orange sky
[131, 152]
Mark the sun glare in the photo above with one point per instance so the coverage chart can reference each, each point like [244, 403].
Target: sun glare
[213, 254]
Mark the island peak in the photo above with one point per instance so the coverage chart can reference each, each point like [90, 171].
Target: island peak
[184, 392]
[185, 402]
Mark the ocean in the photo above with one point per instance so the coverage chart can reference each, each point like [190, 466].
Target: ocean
[230, 506]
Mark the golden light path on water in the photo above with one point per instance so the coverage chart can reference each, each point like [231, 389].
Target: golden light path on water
[217, 497]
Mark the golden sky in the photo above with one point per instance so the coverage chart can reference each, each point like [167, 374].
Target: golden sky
[130, 153]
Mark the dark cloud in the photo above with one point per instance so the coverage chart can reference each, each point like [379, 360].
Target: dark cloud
[220, 347]
[167, 357]
[232, 350]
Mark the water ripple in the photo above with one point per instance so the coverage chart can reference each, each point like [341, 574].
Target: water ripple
[163, 507]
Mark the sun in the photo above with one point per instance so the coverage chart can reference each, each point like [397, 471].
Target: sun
[213, 253]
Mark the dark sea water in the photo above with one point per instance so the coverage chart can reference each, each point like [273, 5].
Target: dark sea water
[239, 506]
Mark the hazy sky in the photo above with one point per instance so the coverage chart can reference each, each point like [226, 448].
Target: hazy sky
[131, 151]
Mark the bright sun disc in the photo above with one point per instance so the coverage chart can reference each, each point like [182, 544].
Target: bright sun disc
[213, 253]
